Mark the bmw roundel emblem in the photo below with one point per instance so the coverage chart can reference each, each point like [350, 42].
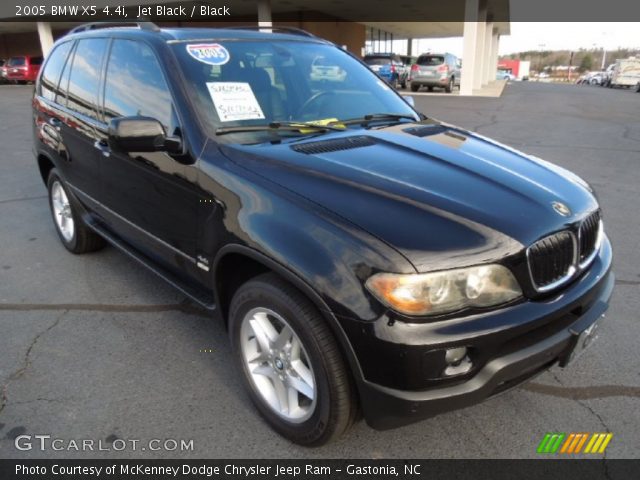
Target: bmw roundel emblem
[561, 209]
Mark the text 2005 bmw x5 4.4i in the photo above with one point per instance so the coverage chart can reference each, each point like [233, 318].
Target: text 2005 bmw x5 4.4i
[365, 257]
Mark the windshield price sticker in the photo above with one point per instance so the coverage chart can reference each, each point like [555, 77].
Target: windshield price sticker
[234, 101]
[209, 53]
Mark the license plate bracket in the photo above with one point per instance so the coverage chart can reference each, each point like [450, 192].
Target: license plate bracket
[581, 342]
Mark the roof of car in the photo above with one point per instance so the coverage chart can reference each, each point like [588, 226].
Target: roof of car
[187, 34]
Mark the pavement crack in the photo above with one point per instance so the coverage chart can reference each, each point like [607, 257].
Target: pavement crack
[583, 393]
[26, 362]
[590, 409]
[183, 307]
[23, 199]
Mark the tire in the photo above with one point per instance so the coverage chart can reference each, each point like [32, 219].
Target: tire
[449, 87]
[78, 238]
[415, 88]
[269, 301]
[638, 87]
[430, 89]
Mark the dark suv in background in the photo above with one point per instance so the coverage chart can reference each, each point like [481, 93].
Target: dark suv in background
[390, 67]
[365, 258]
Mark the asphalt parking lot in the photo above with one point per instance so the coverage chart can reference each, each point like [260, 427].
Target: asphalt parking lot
[94, 347]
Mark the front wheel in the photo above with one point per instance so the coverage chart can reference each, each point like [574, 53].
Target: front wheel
[414, 87]
[290, 361]
[74, 234]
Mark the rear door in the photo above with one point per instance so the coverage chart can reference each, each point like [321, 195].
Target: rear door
[151, 199]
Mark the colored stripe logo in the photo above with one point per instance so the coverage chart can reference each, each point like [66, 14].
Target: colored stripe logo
[573, 443]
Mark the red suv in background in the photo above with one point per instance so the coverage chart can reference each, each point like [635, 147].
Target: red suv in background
[23, 69]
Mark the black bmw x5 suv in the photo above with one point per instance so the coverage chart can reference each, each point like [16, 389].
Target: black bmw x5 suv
[365, 258]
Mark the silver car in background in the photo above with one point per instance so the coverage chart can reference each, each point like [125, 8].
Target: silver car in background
[440, 70]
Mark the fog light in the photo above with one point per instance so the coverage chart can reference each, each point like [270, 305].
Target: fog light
[458, 362]
[455, 355]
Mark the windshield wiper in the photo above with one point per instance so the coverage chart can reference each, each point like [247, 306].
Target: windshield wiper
[374, 117]
[298, 127]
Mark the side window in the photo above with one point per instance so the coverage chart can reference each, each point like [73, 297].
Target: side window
[52, 70]
[135, 85]
[85, 76]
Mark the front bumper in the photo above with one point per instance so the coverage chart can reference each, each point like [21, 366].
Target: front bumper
[517, 343]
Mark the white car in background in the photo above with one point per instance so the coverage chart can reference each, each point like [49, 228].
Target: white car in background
[323, 71]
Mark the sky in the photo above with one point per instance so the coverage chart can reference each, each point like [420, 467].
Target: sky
[544, 36]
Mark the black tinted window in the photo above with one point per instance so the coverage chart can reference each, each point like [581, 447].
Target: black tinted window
[135, 84]
[377, 60]
[428, 60]
[85, 76]
[52, 70]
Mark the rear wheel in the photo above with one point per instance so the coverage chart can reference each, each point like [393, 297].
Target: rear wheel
[414, 87]
[430, 89]
[74, 234]
[449, 87]
[290, 361]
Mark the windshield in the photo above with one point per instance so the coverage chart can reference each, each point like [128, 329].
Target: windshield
[249, 83]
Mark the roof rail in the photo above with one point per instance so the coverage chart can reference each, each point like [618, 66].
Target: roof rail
[149, 26]
[284, 29]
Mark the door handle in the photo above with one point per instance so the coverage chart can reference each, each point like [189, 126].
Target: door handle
[103, 147]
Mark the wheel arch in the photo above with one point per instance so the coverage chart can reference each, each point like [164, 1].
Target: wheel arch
[45, 165]
[253, 263]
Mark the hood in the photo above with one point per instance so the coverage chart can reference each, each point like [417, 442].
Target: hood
[441, 196]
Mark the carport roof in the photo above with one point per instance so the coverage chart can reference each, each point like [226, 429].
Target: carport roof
[444, 18]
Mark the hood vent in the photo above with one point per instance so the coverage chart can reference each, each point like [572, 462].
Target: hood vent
[327, 146]
[426, 130]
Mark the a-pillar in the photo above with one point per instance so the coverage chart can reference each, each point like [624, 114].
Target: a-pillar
[46, 37]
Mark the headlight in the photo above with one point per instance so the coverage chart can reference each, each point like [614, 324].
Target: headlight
[447, 291]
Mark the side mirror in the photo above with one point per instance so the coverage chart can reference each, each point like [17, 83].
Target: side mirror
[141, 134]
[409, 100]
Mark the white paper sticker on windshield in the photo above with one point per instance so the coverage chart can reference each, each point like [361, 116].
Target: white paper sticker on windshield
[234, 101]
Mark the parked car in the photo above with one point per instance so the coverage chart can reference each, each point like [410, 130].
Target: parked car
[407, 61]
[389, 66]
[435, 70]
[592, 78]
[323, 71]
[625, 73]
[23, 69]
[505, 75]
[3, 71]
[363, 257]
